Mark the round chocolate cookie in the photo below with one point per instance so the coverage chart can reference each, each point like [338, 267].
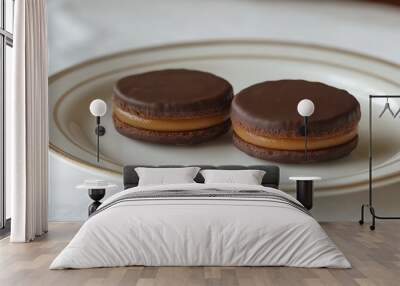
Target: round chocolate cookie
[267, 125]
[174, 106]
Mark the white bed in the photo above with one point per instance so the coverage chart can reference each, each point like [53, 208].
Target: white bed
[205, 230]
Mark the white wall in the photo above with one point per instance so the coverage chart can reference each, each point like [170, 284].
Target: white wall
[79, 30]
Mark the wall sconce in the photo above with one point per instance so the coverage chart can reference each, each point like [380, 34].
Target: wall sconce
[98, 108]
[305, 108]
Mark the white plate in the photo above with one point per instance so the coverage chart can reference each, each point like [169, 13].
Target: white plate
[243, 63]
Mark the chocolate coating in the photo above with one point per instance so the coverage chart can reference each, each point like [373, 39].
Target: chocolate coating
[173, 93]
[270, 108]
[296, 157]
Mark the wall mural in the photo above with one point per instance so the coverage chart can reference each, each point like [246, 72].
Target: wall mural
[174, 104]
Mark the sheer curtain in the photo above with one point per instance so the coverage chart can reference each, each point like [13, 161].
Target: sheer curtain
[27, 123]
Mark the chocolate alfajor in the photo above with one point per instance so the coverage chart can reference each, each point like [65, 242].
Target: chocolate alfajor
[175, 106]
[267, 125]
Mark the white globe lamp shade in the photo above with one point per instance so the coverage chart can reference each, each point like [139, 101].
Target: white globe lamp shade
[305, 107]
[98, 107]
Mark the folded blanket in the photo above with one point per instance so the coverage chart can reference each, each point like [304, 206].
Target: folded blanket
[206, 193]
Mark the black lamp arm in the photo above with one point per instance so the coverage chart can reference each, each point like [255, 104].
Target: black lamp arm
[100, 131]
[305, 137]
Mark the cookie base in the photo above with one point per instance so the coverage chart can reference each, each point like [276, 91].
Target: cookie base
[295, 157]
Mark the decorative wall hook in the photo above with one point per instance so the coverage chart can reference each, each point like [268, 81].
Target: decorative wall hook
[388, 108]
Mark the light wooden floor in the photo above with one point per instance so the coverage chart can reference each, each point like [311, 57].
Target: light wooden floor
[375, 257]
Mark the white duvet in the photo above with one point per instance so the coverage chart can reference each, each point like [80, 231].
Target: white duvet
[200, 231]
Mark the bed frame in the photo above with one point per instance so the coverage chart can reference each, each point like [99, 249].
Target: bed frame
[271, 177]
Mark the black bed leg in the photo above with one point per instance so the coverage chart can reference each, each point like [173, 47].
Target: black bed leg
[361, 221]
[372, 210]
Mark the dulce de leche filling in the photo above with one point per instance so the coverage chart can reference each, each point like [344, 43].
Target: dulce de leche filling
[293, 144]
[170, 124]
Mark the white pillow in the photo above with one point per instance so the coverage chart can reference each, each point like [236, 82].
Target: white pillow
[163, 176]
[248, 177]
